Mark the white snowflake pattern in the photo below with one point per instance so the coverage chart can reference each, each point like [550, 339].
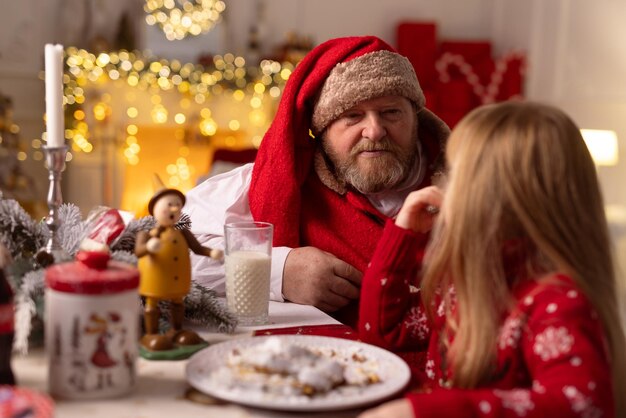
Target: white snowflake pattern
[417, 323]
[383, 281]
[518, 400]
[538, 387]
[485, 407]
[552, 343]
[576, 361]
[510, 332]
[580, 403]
[441, 309]
[430, 369]
[551, 308]
[452, 293]
[367, 326]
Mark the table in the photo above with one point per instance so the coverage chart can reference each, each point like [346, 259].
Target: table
[161, 387]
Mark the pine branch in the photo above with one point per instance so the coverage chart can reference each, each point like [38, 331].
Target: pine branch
[203, 307]
[22, 236]
[124, 257]
[29, 310]
[126, 240]
[72, 229]
[19, 268]
[184, 222]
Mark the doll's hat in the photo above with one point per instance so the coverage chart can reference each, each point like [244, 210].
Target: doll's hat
[160, 190]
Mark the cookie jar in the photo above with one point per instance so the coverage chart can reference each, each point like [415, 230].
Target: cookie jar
[91, 327]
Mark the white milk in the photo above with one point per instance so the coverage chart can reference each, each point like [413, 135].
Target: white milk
[248, 285]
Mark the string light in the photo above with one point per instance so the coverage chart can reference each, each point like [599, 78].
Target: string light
[227, 77]
[180, 18]
[179, 172]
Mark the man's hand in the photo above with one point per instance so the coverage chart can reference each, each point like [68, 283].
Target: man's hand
[315, 277]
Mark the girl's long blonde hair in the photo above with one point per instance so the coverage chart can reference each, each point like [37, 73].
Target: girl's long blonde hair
[518, 170]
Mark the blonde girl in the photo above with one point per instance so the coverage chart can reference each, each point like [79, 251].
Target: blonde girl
[517, 304]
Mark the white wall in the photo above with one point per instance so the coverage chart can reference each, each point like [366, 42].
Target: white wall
[577, 60]
[587, 75]
[326, 19]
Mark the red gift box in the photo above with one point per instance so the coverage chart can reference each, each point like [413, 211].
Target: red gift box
[457, 76]
[477, 54]
[418, 42]
[455, 95]
[513, 80]
[451, 117]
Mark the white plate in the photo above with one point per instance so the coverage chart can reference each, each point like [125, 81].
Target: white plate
[393, 371]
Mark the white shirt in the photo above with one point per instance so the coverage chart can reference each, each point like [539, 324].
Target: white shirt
[217, 201]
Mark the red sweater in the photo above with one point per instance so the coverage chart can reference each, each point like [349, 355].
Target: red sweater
[551, 357]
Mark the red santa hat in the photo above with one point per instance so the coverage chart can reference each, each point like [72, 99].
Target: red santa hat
[332, 78]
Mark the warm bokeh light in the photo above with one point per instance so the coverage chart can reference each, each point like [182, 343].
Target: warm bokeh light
[181, 18]
[132, 112]
[602, 145]
[131, 99]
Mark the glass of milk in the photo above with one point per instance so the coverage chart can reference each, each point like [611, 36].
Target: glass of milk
[247, 264]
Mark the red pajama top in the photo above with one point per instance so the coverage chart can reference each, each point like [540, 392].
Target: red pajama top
[551, 350]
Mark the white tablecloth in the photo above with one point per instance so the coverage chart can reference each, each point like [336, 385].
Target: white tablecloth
[161, 385]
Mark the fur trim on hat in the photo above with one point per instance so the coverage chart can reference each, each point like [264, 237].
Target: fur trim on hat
[372, 75]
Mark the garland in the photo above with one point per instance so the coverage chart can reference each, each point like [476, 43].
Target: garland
[23, 237]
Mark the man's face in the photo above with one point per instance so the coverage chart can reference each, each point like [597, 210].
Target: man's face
[373, 145]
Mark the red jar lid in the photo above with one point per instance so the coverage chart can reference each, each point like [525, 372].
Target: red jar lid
[92, 274]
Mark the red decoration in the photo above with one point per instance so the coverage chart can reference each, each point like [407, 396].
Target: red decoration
[487, 92]
[418, 42]
[457, 76]
[81, 278]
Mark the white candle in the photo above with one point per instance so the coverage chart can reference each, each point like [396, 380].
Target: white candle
[54, 95]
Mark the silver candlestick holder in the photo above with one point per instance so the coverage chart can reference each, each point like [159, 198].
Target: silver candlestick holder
[55, 163]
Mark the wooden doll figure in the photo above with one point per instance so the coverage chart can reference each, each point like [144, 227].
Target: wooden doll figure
[165, 269]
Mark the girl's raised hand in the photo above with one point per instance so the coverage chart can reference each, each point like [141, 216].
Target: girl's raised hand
[420, 209]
